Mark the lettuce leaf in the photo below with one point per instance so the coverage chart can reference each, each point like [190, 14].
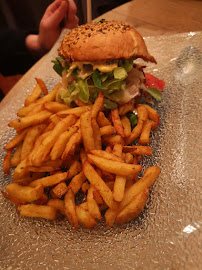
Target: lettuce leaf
[120, 73]
[109, 104]
[133, 119]
[58, 66]
[154, 93]
[83, 90]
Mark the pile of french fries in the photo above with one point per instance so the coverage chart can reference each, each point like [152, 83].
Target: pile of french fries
[59, 152]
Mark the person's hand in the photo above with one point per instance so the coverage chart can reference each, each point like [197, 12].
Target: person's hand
[49, 29]
[50, 26]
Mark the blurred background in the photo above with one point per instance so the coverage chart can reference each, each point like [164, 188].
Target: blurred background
[26, 14]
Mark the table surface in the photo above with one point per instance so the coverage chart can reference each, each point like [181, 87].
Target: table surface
[149, 17]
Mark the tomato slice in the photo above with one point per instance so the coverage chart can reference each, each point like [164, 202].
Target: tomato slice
[152, 81]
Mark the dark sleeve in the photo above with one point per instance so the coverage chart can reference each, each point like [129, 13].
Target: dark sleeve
[14, 56]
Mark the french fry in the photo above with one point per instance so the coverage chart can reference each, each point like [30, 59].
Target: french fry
[80, 103]
[112, 140]
[142, 113]
[87, 131]
[76, 182]
[96, 134]
[152, 114]
[85, 218]
[49, 127]
[25, 110]
[99, 184]
[16, 158]
[42, 200]
[7, 163]
[107, 176]
[78, 111]
[84, 206]
[117, 150]
[70, 208]
[42, 84]
[58, 205]
[61, 142]
[129, 158]
[114, 166]
[55, 107]
[43, 169]
[34, 95]
[135, 132]
[72, 144]
[24, 181]
[59, 190]
[97, 197]
[92, 204]
[38, 108]
[110, 216]
[74, 169]
[107, 130]
[119, 188]
[104, 154]
[102, 120]
[117, 122]
[50, 140]
[55, 119]
[11, 198]
[21, 170]
[133, 209]
[138, 150]
[125, 108]
[25, 193]
[120, 181]
[31, 120]
[53, 163]
[50, 181]
[37, 144]
[83, 155]
[98, 105]
[144, 137]
[146, 181]
[30, 138]
[110, 184]
[126, 125]
[50, 96]
[85, 186]
[40, 211]
[16, 140]
[78, 123]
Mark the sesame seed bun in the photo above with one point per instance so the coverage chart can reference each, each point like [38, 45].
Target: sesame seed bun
[108, 40]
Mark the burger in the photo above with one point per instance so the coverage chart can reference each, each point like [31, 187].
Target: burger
[100, 57]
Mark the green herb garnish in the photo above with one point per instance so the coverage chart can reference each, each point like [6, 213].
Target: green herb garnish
[58, 66]
[133, 119]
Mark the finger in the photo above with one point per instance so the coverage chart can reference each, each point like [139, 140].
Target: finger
[59, 14]
[72, 24]
[72, 10]
[52, 8]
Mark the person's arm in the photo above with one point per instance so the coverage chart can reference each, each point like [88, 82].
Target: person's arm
[50, 29]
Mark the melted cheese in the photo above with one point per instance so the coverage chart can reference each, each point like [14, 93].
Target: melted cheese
[96, 65]
[105, 67]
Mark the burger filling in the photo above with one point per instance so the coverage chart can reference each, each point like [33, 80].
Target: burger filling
[119, 81]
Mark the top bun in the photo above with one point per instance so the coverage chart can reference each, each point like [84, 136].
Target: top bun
[101, 41]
